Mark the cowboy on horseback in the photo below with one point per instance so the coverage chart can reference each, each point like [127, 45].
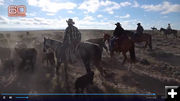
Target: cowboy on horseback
[169, 27]
[139, 30]
[116, 34]
[71, 38]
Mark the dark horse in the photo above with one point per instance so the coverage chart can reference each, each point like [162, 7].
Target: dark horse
[100, 42]
[145, 37]
[88, 52]
[153, 28]
[122, 44]
[167, 32]
[28, 57]
[48, 56]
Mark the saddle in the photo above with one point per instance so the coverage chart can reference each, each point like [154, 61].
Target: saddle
[137, 35]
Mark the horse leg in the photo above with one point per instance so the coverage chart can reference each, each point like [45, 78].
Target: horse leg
[53, 62]
[34, 62]
[87, 64]
[150, 43]
[111, 53]
[166, 36]
[22, 64]
[32, 66]
[100, 68]
[145, 45]
[57, 71]
[66, 75]
[57, 68]
[125, 57]
[47, 61]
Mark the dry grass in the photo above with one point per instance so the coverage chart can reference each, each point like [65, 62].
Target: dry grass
[158, 67]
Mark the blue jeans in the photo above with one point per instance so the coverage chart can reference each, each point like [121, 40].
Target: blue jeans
[112, 43]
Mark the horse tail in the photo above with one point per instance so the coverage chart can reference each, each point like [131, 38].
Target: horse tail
[132, 53]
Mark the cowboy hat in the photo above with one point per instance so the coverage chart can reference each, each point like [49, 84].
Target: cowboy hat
[70, 21]
[117, 23]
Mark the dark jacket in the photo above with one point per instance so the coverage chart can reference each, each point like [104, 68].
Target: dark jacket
[118, 31]
[72, 35]
[139, 29]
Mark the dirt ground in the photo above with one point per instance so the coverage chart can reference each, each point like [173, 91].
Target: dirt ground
[154, 69]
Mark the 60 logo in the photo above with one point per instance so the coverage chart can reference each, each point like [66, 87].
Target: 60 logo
[16, 10]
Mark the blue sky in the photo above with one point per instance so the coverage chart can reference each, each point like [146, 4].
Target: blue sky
[91, 14]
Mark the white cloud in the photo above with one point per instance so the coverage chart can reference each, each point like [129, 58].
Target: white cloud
[111, 6]
[4, 20]
[71, 12]
[1, 2]
[90, 5]
[31, 14]
[164, 8]
[106, 3]
[52, 7]
[123, 4]
[99, 16]
[93, 5]
[88, 18]
[122, 17]
[50, 14]
[136, 4]
[88, 22]
[35, 22]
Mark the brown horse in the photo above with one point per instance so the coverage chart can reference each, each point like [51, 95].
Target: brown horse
[145, 37]
[122, 44]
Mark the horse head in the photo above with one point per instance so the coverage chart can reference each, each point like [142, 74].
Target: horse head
[106, 37]
[153, 28]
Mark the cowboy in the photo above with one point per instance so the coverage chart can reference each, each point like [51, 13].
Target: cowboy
[169, 27]
[117, 33]
[139, 30]
[118, 30]
[71, 38]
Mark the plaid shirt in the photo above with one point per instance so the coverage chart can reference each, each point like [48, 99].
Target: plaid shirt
[72, 35]
[71, 39]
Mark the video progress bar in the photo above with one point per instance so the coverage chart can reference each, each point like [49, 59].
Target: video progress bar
[76, 94]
